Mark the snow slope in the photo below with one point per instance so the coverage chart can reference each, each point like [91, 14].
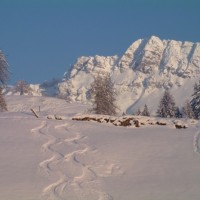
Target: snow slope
[48, 159]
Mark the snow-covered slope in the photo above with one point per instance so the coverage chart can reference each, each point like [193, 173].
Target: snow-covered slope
[48, 159]
[140, 75]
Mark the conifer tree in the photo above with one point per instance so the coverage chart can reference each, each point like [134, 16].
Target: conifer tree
[145, 112]
[195, 102]
[167, 106]
[123, 114]
[196, 87]
[103, 92]
[178, 113]
[187, 110]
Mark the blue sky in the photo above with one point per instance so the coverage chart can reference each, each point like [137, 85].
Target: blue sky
[42, 38]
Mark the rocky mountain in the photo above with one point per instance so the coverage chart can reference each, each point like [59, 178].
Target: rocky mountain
[141, 74]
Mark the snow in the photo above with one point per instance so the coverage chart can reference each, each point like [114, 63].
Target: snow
[49, 159]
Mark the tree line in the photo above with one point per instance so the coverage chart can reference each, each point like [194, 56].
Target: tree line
[104, 101]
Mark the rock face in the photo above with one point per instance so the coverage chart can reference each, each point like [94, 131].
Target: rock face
[143, 55]
[141, 74]
[155, 55]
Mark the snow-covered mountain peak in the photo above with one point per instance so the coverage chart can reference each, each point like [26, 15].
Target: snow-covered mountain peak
[141, 74]
[93, 64]
[143, 55]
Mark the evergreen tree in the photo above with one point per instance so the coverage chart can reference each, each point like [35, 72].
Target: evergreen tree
[145, 112]
[167, 106]
[196, 87]
[187, 110]
[178, 113]
[123, 114]
[103, 92]
[195, 102]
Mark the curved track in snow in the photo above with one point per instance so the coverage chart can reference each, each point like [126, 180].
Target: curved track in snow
[76, 177]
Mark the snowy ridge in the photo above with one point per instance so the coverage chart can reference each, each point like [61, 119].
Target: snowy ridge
[147, 68]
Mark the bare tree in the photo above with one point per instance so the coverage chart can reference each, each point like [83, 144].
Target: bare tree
[3, 106]
[22, 87]
[3, 79]
[4, 74]
[104, 94]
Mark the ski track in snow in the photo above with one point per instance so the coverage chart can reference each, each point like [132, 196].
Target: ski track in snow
[77, 180]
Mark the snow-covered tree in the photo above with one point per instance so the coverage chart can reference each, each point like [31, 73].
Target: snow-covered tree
[195, 102]
[3, 69]
[187, 110]
[66, 96]
[103, 92]
[3, 106]
[22, 87]
[145, 112]
[167, 106]
[196, 87]
[3, 79]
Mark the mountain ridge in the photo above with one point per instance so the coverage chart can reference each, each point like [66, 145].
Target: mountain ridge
[147, 68]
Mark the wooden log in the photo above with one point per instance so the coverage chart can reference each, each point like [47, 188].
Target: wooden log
[34, 113]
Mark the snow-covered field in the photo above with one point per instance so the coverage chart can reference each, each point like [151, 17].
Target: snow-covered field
[48, 159]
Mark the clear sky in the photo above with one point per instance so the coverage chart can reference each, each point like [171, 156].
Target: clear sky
[42, 38]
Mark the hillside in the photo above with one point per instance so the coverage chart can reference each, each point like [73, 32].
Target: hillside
[48, 159]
